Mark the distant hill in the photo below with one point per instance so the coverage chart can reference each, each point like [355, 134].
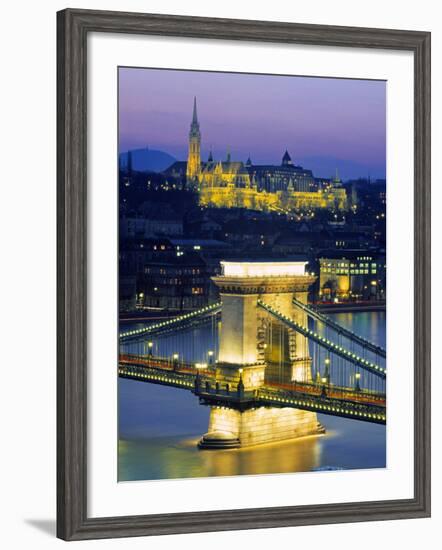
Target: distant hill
[148, 160]
[325, 167]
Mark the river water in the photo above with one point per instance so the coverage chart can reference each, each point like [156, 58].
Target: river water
[159, 428]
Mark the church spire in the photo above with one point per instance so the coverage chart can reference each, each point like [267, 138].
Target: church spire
[194, 156]
[337, 179]
[195, 114]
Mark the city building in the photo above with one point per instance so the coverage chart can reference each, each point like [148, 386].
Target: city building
[127, 292]
[156, 224]
[178, 282]
[286, 177]
[352, 276]
[136, 253]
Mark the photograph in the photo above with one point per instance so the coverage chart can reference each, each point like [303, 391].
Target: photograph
[252, 274]
[228, 232]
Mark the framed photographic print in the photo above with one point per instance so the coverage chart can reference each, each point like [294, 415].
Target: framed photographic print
[243, 274]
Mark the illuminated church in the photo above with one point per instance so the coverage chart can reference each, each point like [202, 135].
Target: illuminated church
[231, 183]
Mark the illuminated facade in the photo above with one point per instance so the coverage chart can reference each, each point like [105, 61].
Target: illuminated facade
[229, 184]
[356, 276]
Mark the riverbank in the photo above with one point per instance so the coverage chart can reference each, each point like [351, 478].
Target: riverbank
[148, 315]
[342, 307]
[351, 307]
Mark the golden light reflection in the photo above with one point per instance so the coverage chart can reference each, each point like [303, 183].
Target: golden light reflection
[301, 455]
[183, 460]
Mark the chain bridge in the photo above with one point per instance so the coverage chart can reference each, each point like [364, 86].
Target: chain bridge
[261, 358]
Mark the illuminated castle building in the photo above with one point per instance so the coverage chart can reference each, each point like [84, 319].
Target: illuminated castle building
[228, 183]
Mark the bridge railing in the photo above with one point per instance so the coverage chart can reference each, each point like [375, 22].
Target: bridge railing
[357, 410]
[329, 390]
[163, 363]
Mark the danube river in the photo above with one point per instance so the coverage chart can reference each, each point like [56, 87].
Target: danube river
[159, 428]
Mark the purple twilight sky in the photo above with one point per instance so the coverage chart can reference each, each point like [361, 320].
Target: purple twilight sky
[323, 122]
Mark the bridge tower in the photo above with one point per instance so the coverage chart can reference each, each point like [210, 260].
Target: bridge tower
[253, 350]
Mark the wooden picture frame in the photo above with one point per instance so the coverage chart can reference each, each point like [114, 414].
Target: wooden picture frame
[73, 27]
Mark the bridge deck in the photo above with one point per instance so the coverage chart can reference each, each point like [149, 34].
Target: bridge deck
[332, 400]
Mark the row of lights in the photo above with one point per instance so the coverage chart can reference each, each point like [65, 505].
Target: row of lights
[170, 321]
[324, 407]
[342, 350]
[155, 377]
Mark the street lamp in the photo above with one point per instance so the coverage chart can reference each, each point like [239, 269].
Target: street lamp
[357, 384]
[240, 387]
[210, 354]
[150, 348]
[327, 369]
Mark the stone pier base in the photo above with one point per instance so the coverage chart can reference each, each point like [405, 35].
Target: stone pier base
[229, 428]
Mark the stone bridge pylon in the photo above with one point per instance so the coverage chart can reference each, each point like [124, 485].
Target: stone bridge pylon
[255, 349]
